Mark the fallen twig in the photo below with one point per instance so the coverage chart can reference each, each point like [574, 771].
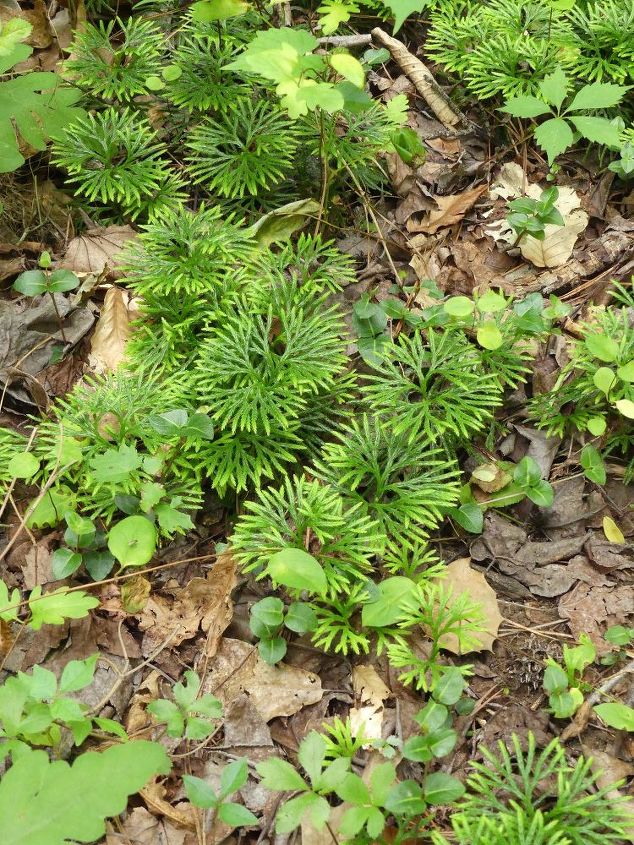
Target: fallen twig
[422, 79]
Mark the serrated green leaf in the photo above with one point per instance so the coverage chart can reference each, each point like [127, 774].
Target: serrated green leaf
[402, 9]
[38, 107]
[280, 776]
[598, 95]
[54, 608]
[525, 106]
[236, 815]
[554, 136]
[554, 87]
[597, 129]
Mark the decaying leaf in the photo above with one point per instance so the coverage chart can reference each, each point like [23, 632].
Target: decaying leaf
[592, 610]
[371, 692]
[202, 604]
[461, 578]
[97, 250]
[279, 690]
[451, 209]
[107, 348]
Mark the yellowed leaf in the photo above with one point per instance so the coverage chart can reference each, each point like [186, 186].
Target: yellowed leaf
[113, 329]
[626, 407]
[490, 477]
[461, 578]
[451, 209]
[612, 531]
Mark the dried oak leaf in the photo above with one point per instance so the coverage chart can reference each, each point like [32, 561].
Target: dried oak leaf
[96, 250]
[451, 209]
[463, 579]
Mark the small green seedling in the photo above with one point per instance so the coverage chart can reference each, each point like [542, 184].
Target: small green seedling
[267, 619]
[531, 216]
[84, 544]
[565, 125]
[624, 165]
[564, 683]
[36, 282]
[233, 777]
[188, 715]
[621, 638]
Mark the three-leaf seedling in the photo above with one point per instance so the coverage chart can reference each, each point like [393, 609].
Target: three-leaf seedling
[530, 216]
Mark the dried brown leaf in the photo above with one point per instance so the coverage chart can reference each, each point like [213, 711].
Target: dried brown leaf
[451, 209]
[463, 579]
[279, 690]
[371, 692]
[96, 250]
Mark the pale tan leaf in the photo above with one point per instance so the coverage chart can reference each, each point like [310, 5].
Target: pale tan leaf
[461, 578]
[97, 250]
[558, 243]
[113, 329]
[451, 209]
[371, 692]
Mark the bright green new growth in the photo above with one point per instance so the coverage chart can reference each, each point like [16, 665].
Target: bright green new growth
[556, 134]
[247, 150]
[434, 388]
[405, 486]
[514, 787]
[114, 158]
[342, 539]
[257, 369]
[507, 48]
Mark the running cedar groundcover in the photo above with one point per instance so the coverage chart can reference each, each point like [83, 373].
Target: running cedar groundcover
[316, 422]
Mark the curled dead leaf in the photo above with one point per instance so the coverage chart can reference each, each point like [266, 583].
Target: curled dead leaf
[451, 209]
[107, 348]
[97, 250]
[371, 692]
